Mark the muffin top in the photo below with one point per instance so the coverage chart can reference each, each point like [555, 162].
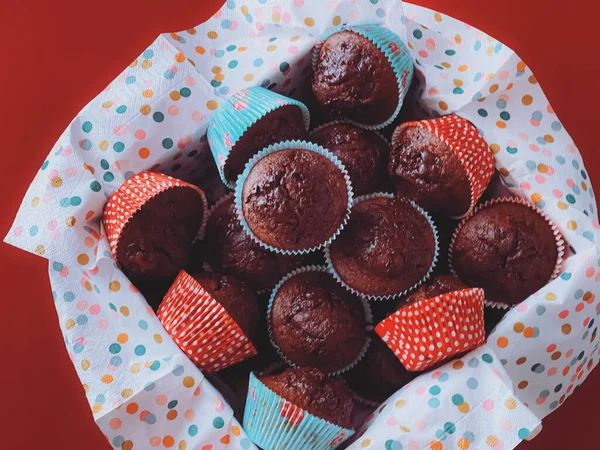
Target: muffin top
[387, 247]
[426, 170]
[439, 285]
[508, 249]
[363, 153]
[235, 296]
[281, 124]
[227, 248]
[294, 199]
[317, 323]
[312, 390]
[354, 79]
[156, 241]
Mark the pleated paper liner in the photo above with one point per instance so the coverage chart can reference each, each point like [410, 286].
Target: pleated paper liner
[294, 145]
[467, 144]
[274, 423]
[333, 271]
[427, 332]
[395, 52]
[131, 196]
[366, 309]
[201, 326]
[234, 117]
[560, 243]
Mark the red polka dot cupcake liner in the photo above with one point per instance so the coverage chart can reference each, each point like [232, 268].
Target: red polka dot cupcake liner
[467, 144]
[202, 327]
[425, 333]
[560, 242]
[132, 195]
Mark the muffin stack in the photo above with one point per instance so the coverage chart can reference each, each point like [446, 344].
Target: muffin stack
[324, 257]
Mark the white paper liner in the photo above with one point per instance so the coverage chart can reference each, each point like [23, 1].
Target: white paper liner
[300, 145]
[366, 309]
[560, 243]
[340, 280]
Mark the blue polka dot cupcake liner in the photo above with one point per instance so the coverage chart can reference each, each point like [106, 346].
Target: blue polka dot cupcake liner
[366, 309]
[274, 423]
[285, 145]
[560, 242]
[235, 116]
[395, 51]
[333, 271]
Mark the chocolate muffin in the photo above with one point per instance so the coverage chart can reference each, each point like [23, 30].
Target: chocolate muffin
[317, 323]
[441, 284]
[445, 227]
[354, 79]
[387, 247]
[294, 199]
[157, 240]
[313, 391]
[228, 249]
[506, 248]
[282, 124]
[426, 170]
[363, 153]
[379, 374]
[235, 296]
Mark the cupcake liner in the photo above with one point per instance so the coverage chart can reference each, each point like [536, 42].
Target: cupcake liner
[301, 145]
[234, 117]
[274, 423]
[498, 305]
[467, 144]
[201, 326]
[394, 50]
[131, 196]
[424, 333]
[560, 243]
[331, 268]
[218, 203]
[366, 308]
[365, 401]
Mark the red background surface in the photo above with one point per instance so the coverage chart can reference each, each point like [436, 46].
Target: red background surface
[56, 56]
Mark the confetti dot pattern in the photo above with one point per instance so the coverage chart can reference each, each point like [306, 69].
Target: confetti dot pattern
[136, 124]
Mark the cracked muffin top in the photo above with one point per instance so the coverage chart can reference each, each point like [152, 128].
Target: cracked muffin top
[508, 249]
[294, 199]
[315, 322]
